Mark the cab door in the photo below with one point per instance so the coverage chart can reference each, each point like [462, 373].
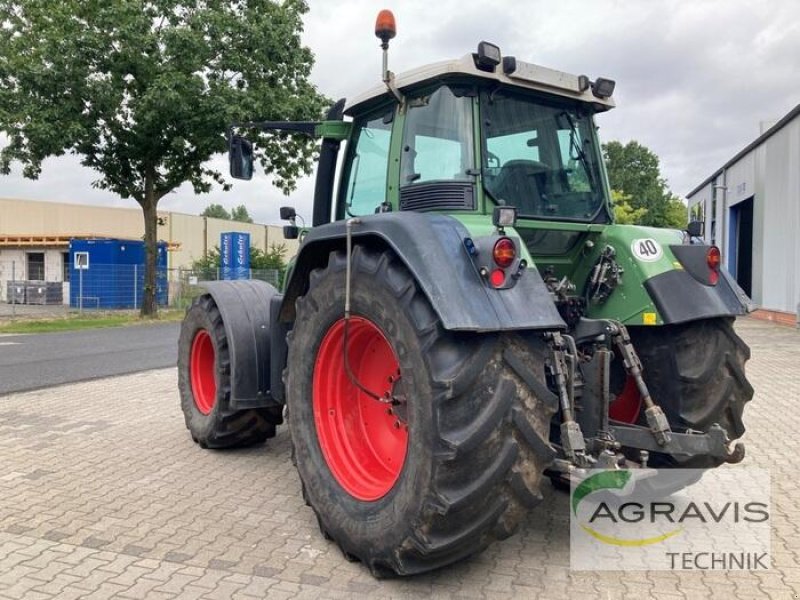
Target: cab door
[364, 179]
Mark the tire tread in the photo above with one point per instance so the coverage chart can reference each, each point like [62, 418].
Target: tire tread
[228, 428]
[489, 462]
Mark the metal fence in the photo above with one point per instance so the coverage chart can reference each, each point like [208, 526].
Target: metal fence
[103, 287]
[186, 284]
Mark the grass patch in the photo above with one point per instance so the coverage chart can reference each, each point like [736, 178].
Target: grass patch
[87, 321]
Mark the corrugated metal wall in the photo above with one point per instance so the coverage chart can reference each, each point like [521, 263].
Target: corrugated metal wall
[770, 175]
[777, 218]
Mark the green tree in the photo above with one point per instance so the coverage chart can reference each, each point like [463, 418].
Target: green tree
[143, 92]
[634, 172]
[239, 213]
[274, 259]
[675, 214]
[206, 266]
[624, 213]
[216, 211]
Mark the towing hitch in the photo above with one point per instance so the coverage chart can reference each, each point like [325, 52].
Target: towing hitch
[579, 368]
[682, 445]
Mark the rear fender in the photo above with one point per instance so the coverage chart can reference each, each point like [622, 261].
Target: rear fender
[245, 310]
[432, 248]
[665, 281]
[686, 294]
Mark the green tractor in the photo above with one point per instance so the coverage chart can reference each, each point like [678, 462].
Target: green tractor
[464, 319]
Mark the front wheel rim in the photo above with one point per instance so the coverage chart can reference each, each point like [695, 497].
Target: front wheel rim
[201, 367]
[363, 440]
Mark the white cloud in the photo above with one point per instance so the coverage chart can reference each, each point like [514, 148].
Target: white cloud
[694, 79]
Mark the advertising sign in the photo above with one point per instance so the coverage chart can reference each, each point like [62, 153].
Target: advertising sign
[235, 255]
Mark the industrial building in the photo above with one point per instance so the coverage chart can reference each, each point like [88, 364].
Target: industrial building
[751, 210]
[35, 237]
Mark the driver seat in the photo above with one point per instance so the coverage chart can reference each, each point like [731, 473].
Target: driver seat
[522, 183]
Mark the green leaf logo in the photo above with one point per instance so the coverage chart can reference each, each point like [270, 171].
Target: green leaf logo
[611, 480]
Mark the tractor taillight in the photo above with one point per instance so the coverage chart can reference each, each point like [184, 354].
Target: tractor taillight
[497, 278]
[504, 253]
[713, 258]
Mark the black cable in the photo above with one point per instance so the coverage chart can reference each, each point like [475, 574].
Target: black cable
[349, 372]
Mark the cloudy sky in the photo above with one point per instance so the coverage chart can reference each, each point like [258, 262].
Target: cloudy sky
[695, 78]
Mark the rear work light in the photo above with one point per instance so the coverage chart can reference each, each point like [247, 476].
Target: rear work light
[504, 252]
[713, 258]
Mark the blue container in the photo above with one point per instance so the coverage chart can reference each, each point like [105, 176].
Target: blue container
[109, 273]
[235, 255]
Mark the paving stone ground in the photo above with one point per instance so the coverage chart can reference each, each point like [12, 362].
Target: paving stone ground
[104, 495]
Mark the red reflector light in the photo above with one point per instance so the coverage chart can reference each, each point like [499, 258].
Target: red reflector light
[497, 278]
[713, 258]
[504, 252]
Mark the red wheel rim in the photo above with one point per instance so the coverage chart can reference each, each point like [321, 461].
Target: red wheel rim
[628, 404]
[364, 444]
[201, 367]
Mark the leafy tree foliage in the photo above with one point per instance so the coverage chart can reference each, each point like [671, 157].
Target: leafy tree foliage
[624, 213]
[274, 259]
[216, 211]
[675, 213]
[144, 92]
[644, 197]
[239, 213]
[207, 265]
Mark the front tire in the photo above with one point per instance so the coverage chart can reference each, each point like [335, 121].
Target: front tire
[456, 466]
[204, 383]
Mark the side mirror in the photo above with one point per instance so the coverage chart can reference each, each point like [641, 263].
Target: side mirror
[240, 157]
[696, 228]
[290, 231]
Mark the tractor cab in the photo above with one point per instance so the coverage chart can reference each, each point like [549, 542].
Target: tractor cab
[471, 134]
[462, 138]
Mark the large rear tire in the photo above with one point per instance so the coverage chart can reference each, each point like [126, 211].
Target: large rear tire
[455, 466]
[204, 383]
[696, 372]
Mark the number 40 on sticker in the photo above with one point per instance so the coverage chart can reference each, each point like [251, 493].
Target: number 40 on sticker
[646, 249]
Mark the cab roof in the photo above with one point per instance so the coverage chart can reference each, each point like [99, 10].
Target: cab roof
[526, 76]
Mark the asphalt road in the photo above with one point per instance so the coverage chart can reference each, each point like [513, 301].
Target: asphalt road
[47, 359]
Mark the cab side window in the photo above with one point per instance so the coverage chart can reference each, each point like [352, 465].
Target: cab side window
[437, 141]
[368, 164]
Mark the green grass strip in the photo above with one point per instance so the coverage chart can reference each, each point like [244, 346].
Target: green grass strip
[79, 322]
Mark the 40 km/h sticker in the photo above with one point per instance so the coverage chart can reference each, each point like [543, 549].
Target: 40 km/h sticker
[647, 250]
